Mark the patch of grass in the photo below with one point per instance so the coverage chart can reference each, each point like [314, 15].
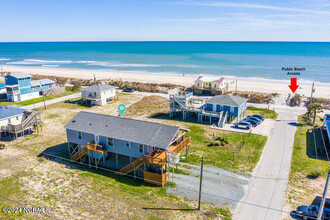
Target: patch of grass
[245, 161]
[39, 99]
[307, 174]
[178, 171]
[267, 113]
[53, 116]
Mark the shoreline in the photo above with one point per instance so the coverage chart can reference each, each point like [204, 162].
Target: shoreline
[243, 84]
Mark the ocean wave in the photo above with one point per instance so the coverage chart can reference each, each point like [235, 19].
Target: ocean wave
[47, 61]
[107, 64]
[50, 65]
[4, 59]
[38, 62]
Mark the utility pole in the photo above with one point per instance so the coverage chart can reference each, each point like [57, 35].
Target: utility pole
[312, 92]
[43, 95]
[311, 98]
[319, 216]
[236, 86]
[200, 185]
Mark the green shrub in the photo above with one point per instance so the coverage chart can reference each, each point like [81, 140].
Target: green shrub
[314, 174]
[76, 88]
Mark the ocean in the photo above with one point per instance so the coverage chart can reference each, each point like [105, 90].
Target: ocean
[261, 60]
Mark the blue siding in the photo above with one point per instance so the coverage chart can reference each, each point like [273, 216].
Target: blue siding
[119, 145]
[237, 110]
[10, 80]
[25, 84]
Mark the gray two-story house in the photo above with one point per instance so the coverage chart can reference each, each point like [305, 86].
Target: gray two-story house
[134, 147]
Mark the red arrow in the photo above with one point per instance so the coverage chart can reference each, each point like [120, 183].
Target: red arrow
[293, 85]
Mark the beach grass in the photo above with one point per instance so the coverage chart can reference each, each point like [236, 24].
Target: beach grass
[307, 175]
[267, 113]
[244, 161]
[37, 100]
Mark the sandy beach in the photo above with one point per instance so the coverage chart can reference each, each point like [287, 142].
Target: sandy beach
[243, 84]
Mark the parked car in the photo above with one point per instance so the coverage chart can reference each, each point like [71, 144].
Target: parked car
[253, 117]
[311, 212]
[128, 89]
[243, 124]
[259, 116]
[252, 121]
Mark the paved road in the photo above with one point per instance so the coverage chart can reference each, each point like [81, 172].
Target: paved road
[267, 188]
[52, 101]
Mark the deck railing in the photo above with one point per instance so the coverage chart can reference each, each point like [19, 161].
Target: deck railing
[179, 146]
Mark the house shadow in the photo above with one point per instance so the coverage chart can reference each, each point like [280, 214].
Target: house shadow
[59, 154]
[192, 118]
[314, 146]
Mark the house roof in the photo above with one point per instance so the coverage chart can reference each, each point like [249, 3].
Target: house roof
[42, 82]
[227, 100]
[98, 88]
[210, 79]
[20, 75]
[138, 131]
[9, 111]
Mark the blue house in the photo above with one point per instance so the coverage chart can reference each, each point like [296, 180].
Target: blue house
[136, 148]
[20, 87]
[232, 106]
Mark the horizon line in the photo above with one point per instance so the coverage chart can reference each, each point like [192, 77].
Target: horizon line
[128, 41]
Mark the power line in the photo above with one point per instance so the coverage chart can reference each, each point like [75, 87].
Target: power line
[83, 178]
[216, 196]
[102, 168]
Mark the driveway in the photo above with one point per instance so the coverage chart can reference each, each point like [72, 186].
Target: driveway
[220, 187]
[267, 188]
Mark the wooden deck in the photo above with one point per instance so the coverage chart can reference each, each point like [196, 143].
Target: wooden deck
[179, 145]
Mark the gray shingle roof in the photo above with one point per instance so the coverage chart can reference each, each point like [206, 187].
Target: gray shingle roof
[138, 131]
[98, 88]
[227, 100]
[9, 111]
[20, 75]
[42, 81]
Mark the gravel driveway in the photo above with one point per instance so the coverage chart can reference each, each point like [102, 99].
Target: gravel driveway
[219, 186]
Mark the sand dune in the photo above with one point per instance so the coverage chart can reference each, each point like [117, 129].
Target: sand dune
[243, 84]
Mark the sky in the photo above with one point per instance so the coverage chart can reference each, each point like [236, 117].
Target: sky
[164, 20]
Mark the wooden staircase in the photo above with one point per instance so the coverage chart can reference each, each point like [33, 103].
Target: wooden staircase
[159, 159]
[84, 150]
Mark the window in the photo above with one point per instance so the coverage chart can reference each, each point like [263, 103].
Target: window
[17, 118]
[9, 121]
[80, 135]
[141, 148]
[110, 142]
[215, 85]
[128, 144]
[231, 109]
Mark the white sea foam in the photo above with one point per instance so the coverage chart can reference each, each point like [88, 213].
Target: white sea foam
[50, 65]
[4, 59]
[107, 64]
[47, 61]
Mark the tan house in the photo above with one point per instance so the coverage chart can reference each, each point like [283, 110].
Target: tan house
[210, 85]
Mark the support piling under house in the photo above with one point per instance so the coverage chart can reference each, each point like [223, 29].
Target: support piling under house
[138, 148]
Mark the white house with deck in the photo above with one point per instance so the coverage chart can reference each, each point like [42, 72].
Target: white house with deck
[99, 94]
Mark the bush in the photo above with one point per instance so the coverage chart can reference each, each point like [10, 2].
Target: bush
[314, 174]
[2, 146]
[76, 88]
